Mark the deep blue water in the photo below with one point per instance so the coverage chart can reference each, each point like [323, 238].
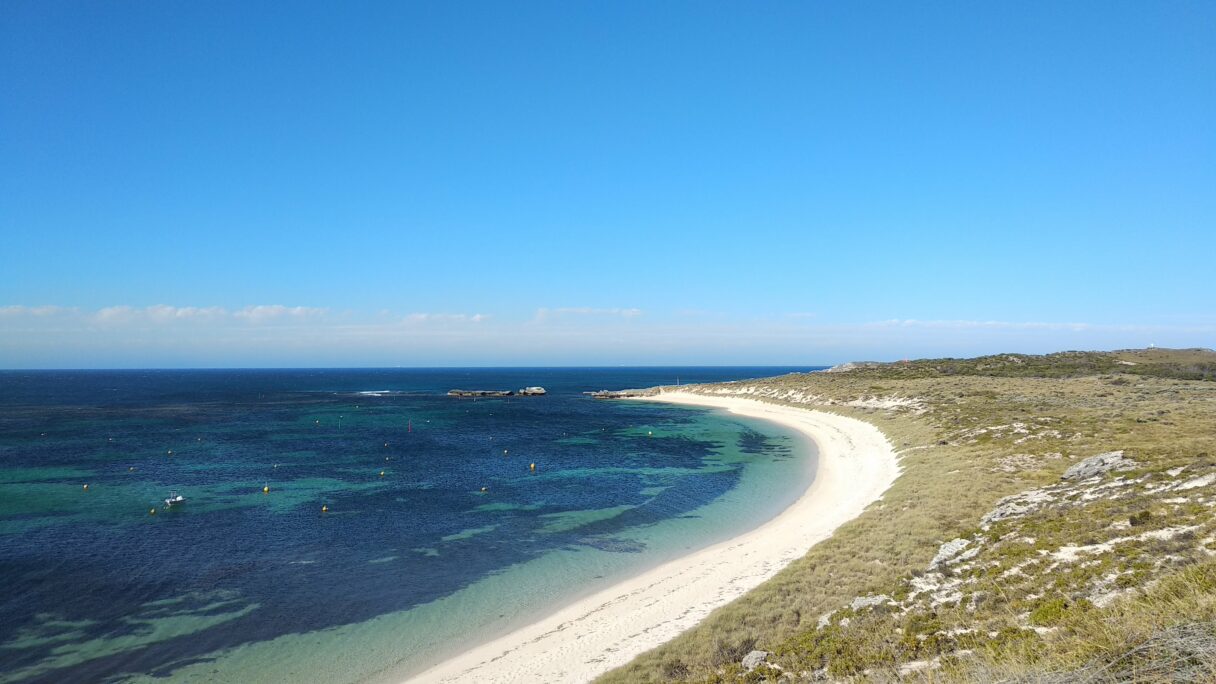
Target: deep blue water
[95, 586]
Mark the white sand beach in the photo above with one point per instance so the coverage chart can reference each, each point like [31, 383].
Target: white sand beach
[600, 632]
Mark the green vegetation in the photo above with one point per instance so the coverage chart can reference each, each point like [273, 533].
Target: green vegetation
[1052, 579]
[1182, 364]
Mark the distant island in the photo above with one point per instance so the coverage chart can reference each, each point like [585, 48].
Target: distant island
[525, 392]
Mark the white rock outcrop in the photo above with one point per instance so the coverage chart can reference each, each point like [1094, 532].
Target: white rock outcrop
[1098, 465]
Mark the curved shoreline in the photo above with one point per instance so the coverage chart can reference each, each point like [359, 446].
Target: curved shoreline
[609, 628]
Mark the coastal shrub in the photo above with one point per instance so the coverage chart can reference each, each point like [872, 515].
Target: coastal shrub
[675, 670]
[765, 673]
[1053, 611]
[726, 651]
[921, 623]
[1167, 633]
[1010, 638]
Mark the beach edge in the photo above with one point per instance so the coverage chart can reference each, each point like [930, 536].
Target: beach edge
[595, 634]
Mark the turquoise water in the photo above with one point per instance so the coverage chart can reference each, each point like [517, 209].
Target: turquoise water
[403, 569]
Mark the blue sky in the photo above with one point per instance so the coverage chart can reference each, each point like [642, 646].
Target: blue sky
[234, 183]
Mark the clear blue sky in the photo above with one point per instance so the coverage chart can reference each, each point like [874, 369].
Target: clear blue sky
[237, 183]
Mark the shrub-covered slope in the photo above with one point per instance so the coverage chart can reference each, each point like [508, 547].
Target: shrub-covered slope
[984, 562]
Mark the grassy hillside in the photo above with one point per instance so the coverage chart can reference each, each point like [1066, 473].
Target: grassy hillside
[982, 563]
[1181, 364]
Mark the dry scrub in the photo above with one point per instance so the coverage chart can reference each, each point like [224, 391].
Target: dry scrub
[1089, 578]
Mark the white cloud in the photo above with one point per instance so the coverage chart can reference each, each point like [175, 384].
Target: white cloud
[208, 335]
[115, 314]
[270, 312]
[445, 317]
[982, 325]
[163, 312]
[14, 310]
[544, 314]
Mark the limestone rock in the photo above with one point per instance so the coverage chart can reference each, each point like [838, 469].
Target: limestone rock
[1098, 465]
[1016, 506]
[869, 601]
[754, 659]
[947, 551]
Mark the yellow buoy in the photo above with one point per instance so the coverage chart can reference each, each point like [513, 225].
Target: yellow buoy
[266, 489]
[151, 511]
[86, 488]
[649, 433]
[381, 473]
[325, 509]
[532, 466]
[131, 469]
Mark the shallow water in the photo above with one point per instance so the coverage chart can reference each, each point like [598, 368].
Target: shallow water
[411, 562]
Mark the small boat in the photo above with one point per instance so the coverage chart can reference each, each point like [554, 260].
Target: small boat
[174, 499]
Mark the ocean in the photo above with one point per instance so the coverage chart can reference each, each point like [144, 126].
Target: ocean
[345, 525]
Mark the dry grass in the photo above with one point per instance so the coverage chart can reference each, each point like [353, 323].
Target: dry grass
[1166, 634]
